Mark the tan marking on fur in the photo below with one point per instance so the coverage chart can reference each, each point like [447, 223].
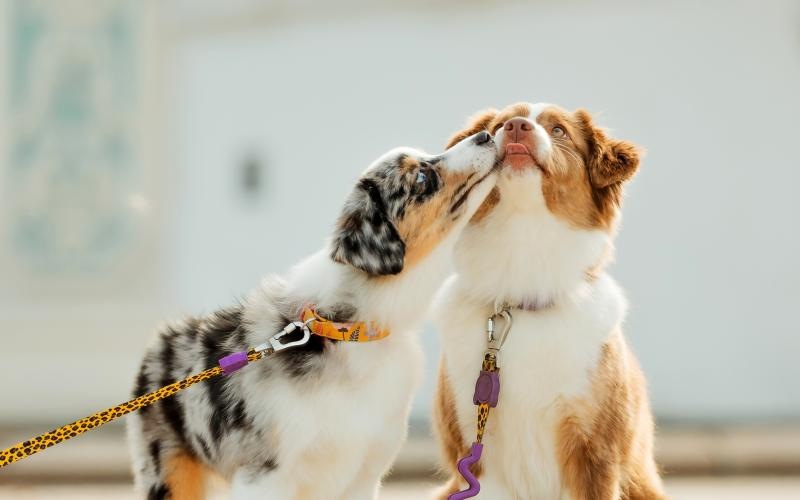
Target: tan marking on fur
[185, 478]
[452, 442]
[479, 121]
[585, 170]
[568, 196]
[408, 163]
[424, 226]
[605, 442]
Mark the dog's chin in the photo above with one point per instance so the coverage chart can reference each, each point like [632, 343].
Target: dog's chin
[518, 184]
[516, 166]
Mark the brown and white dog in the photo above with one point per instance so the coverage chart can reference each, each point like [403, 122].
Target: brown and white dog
[573, 419]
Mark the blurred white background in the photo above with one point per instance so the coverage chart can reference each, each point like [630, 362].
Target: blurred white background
[157, 158]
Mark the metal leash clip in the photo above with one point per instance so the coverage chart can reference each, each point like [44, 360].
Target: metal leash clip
[274, 343]
[238, 360]
[496, 339]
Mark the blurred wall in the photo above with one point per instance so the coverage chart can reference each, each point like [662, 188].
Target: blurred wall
[258, 116]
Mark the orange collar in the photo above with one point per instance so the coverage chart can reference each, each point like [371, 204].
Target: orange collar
[358, 331]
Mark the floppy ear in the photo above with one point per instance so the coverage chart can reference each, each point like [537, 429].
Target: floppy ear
[611, 161]
[474, 125]
[365, 238]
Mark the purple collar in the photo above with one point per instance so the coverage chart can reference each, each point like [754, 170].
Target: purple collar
[529, 305]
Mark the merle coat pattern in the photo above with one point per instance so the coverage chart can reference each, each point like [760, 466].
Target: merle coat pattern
[326, 419]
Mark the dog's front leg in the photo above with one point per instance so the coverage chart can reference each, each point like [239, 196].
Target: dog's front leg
[362, 489]
[270, 485]
[376, 463]
[590, 462]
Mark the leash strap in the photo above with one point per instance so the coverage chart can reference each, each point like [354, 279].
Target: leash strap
[25, 449]
[487, 390]
[311, 322]
[486, 396]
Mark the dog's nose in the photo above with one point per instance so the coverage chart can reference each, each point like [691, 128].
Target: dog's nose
[517, 128]
[482, 138]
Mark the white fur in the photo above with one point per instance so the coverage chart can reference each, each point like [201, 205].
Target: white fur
[365, 392]
[548, 356]
[521, 252]
[356, 410]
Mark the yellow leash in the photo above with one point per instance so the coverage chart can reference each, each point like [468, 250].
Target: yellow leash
[25, 449]
[311, 322]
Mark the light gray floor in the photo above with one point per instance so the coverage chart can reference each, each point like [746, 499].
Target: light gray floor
[733, 488]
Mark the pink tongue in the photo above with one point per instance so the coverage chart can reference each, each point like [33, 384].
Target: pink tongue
[516, 148]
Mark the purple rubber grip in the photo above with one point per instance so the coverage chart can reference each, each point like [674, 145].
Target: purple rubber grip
[463, 467]
[487, 389]
[233, 362]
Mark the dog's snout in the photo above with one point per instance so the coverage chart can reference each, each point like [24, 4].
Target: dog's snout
[482, 138]
[518, 128]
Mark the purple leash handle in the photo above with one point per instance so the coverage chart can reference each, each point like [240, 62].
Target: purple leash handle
[463, 467]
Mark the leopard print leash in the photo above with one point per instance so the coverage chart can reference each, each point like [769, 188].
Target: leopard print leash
[311, 323]
[25, 449]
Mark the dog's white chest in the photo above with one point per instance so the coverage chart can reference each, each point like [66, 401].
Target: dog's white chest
[548, 357]
[340, 427]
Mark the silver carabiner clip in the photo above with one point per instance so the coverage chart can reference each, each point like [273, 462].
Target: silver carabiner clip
[496, 339]
[274, 344]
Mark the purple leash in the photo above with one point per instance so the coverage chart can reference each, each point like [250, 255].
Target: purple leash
[487, 393]
[463, 468]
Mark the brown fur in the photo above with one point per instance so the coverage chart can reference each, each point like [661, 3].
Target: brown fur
[186, 478]
[478, 122]
[582, 181]
[422, 231]
[423, 228]
[605, 444]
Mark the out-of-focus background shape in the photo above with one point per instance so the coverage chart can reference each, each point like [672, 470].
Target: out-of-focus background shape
[158, 157]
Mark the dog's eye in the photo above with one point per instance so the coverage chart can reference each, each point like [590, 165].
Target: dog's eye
[558, 132]
[421, 177]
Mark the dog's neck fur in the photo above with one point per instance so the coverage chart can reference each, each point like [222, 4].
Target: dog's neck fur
[522, 252]
[399, 302]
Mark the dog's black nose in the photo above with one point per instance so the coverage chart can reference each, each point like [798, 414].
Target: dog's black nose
[482, 138]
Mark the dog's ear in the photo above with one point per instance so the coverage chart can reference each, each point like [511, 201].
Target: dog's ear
[474, 125]
[365, 237]
[611, 161]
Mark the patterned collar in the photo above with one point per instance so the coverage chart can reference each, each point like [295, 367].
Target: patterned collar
[358, 331]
